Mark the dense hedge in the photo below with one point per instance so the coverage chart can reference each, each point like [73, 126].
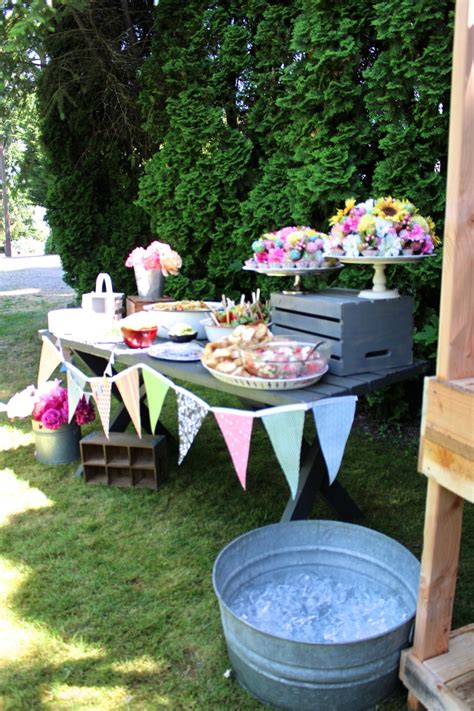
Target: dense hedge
[252, 115]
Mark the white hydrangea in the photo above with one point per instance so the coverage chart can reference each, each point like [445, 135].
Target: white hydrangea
[390, 246]
[351, 245]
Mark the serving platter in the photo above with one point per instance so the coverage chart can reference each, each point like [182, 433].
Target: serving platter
[176, 351]
[296, 272]
[379, 281]
[267, 384]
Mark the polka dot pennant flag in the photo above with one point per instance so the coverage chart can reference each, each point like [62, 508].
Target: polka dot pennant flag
[236, 429]
[191, 413]
[128, 384]
[101, 390]
[156, 389]
[333, 418]
[285, 429]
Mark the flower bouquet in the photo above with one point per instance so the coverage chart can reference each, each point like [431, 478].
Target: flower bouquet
[387, 227]
[293, 247]
[48, 406]
[158, 260]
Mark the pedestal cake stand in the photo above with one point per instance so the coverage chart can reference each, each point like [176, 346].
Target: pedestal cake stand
[296, 272]
[379, 289]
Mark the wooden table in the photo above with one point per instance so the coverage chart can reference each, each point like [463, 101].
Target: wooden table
[313, 473]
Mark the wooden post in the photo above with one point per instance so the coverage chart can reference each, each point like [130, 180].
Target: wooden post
[444, 508]
[6, 211]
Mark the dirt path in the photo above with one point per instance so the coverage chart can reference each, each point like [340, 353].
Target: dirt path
[38, 275]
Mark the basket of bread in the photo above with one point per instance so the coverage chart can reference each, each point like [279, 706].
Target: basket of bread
[252, 357]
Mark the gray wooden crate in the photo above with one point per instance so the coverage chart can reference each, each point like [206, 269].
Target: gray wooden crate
[365, 335]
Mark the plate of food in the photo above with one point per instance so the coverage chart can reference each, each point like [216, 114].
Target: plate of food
[169, 350]
[251, 357]
[170, 314]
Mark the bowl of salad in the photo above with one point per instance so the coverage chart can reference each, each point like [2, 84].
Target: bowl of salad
[285, 359]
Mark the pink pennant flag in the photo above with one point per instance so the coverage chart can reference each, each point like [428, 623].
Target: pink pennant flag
[236, 429]
[101, 390]
[49, 361]
[128, 384]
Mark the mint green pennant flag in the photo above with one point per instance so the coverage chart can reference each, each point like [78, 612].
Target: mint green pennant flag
[285, 430]
[74, 394]
[156, 389]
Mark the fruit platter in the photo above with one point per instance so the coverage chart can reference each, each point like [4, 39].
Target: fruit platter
[252, 357]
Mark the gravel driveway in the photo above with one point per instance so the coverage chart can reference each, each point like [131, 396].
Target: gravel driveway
[32, 275]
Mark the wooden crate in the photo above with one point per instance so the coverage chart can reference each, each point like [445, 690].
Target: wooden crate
[365, 335]
[136, 303]
[124, 459]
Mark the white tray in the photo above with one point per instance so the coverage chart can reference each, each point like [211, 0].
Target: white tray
[291, 271]
[264, 383]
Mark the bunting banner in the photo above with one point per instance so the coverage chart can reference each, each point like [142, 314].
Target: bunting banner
[236, 428]
[333, 418]
[285, 429]
[74, 394]
[128, 383]
[101, 390]
[49, 361]
[156, 389]
[191, 413]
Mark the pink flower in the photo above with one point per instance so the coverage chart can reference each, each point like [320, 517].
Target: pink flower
[52, 419]
[84, 412]
[276, 255]
[261, 257]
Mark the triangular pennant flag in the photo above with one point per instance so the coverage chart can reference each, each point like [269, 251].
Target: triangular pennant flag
[333, 418]
[101, 390]
[128, 384]
[49, 360]
[74, 394]
[285, 430]
[191, 413]
[156, 389]
[237, 430]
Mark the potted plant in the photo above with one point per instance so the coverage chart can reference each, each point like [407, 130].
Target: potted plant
[56, 437]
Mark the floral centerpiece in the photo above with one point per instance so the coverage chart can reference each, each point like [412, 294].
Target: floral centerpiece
[158, 255]
[289, 247]
[387, 227]
[151, 264]
[48, 406]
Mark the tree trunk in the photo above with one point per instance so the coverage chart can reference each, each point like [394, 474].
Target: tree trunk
[6, 212]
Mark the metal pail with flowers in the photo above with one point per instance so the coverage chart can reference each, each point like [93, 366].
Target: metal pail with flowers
[59, 446]
[150, 282]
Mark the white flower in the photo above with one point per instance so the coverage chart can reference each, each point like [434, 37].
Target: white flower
[368, 205]
[383, 227]
[390, 246]
[22, 404]
[351, 245]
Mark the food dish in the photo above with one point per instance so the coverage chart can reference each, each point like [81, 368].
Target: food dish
[264, 383]
[176, 351]
[170, 314]
[284, 359]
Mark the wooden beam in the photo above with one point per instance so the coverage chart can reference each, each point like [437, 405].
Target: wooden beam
[456, 336]
[439, 564]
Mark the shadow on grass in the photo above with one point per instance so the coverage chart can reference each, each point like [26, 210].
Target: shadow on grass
[128, 572]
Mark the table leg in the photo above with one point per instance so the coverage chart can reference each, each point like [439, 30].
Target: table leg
[313, 481]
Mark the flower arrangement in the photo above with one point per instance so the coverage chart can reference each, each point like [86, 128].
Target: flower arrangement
[158, 255]
[289, 247]
[48, 404]
[387, 227]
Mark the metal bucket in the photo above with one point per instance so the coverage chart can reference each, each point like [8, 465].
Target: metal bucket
[298, 675]
[59, 446]
[150, 282]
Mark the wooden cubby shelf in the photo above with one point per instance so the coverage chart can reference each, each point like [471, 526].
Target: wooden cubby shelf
[124, 460]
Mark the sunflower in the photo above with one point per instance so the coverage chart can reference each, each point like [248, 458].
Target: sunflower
[389, 209]
[342, 212]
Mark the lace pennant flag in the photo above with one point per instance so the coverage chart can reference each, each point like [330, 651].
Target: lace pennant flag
[156, 389]
[74, 394]
[191, 413]
[237, 430]
[49, 361]
[333, 418]
[101, 390]
[285, 430]
[128, 384]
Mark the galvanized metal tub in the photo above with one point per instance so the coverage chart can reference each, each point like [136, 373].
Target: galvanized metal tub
[59, 446]
[288, 674]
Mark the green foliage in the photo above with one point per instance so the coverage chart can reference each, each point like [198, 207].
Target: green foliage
[93, 139]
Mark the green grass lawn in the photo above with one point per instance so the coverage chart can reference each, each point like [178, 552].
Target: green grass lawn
[107, 601]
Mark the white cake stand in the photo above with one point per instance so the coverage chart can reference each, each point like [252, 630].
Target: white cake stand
[296, 272]
[379, 289]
